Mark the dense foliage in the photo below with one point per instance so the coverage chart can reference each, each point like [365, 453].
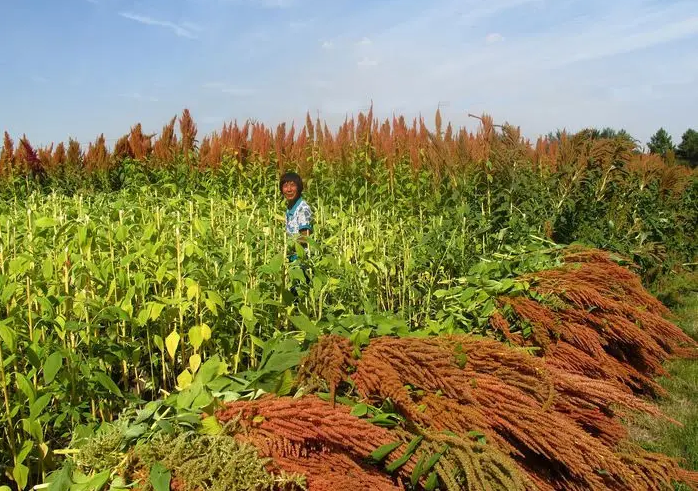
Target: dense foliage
[156, 269]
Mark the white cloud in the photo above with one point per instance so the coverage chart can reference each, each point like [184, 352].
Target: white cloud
[491, 9]
[178, 29]
[367, 62]
[191, 26]
[586, 70]
[494, 37]
[541, 64]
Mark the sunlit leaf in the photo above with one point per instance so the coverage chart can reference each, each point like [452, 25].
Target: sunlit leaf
[184, 379]
[195, 337]
[194, 362]
[172, 341]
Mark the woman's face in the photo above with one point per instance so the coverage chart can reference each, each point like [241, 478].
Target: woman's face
[289, 190]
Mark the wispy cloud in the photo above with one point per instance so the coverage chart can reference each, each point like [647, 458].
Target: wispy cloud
[493, 37]
[183, 30]
[541, 64]
[367, 62]
[190, 26]
[514, 54]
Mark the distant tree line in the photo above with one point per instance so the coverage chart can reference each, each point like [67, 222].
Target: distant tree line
[686, 151]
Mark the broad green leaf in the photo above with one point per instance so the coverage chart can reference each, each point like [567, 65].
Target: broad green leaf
[118, 484]
[106, 382]
[9, 336]
[195, 337]
[156, 310]
[20, 473]
[172, 341]
[247, 313]
[193, 290]
[7, 292]
[95, 483]
[39, 405]
[359, 410]
[205, 332]
[32, 427]
[148, 411]
[440, 293]
[187, 395]
[166, 426]
[209, 370]
[433, 460]
[379, 454]
[24, 451]
[135, 431]
[184, 379]
[306, 325]
[158, 342]
[45, 222]
[194, 362]
[33, 357]
[160, 477]
[143, 316]
[282, 360]
[411, 448]
[417, 472]
[210, 426]
[211, 306]
[21, 264]
[51, 366]
[215, 298]
[286, 382]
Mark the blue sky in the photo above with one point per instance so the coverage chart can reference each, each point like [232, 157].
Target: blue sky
[77, 68]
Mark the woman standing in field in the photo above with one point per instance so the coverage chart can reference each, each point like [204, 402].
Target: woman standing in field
[299, 215]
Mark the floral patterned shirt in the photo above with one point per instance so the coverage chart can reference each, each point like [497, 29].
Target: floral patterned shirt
[299, 217]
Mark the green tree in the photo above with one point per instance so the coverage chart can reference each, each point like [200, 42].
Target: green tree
[609, 133]
[688, 148]
[661, 143]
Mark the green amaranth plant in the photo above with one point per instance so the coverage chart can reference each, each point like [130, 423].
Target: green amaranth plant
[122, 297]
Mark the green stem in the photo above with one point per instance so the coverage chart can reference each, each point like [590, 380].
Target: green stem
[6, 396]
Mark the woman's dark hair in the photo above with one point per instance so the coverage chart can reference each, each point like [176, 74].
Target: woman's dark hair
[291, 177]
